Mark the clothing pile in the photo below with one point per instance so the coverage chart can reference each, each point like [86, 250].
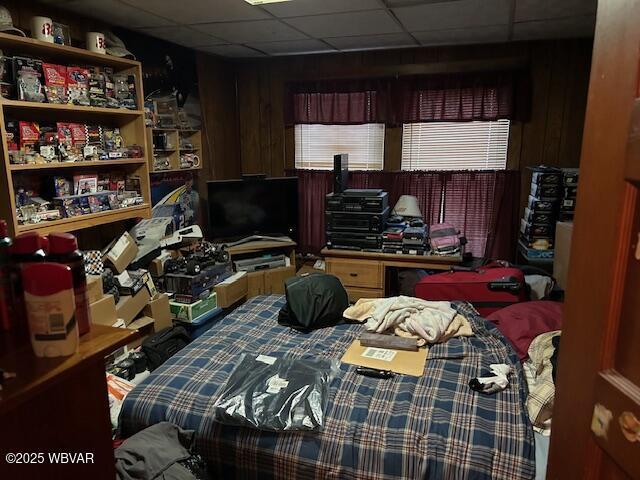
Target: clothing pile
[431, 322]
[539, 371]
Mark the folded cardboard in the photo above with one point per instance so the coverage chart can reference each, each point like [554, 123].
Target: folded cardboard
[145, 325]
[231, 290]
[103, 312]
[187, 312]
[160, 310]
[130, 306]
[561, 259]
[121, 253]
[94, 288]
[398, 361]
[156, 267]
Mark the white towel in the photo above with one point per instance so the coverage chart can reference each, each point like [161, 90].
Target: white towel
[428, 320]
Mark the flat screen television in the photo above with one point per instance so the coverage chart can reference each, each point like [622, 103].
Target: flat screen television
[253, 206]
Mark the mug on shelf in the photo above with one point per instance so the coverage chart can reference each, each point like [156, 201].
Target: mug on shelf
[189, 160]
[42, 29]
[96, 42]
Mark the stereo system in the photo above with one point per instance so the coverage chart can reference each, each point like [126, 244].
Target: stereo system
[340, 172]
[356, 221]
[375, 201]
[354, 241]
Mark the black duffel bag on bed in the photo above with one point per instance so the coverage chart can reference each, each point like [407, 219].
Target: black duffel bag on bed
[313, 301]
[162, 345]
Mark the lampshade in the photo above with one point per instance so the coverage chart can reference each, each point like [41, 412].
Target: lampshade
[407, 206]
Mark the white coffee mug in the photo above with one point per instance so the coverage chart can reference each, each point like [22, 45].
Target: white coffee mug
[96, 43]
[42, 29]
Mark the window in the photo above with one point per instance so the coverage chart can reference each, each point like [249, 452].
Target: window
[455, 145]
[317, 144]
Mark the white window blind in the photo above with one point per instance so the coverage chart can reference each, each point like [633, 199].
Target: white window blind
[455, 145]
[317, 144]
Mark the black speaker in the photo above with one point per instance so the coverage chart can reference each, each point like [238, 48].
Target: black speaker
[340, 172]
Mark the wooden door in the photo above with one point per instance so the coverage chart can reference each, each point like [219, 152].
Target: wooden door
[596, 420]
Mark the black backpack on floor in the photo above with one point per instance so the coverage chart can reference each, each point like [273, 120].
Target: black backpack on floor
[313, 301]
[161, 346]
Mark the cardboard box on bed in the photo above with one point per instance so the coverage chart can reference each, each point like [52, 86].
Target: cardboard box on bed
[403, 362]
[103, 312]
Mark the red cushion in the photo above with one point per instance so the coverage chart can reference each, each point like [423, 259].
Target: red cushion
[523, 322]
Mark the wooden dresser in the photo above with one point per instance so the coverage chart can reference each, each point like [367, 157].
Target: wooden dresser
[59, 405]
[364, 273]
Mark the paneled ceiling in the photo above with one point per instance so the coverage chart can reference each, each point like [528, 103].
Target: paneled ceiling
[233, 28]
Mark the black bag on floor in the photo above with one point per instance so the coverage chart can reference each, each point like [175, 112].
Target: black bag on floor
[313, 301]
[161, 346]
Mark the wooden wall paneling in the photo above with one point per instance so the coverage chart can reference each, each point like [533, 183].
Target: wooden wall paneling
[276, 119]
[265, 123]
[558, 80]
[393, 149]
[534, 130]
[249, 114]
[575, 104]
[515, 145]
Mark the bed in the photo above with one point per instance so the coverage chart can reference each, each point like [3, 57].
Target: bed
[432, 426]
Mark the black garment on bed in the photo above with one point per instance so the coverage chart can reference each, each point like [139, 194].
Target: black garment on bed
[313, 301]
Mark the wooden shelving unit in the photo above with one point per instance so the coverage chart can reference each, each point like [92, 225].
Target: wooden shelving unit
[176, 140]
[130, 122]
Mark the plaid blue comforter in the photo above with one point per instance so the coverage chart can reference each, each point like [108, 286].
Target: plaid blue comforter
[405, 427]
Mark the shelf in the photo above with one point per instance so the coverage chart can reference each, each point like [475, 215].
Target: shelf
[52, 51]
[63, 111]
[173, 170]
[56, 165]
[88, 220]
[34, 374]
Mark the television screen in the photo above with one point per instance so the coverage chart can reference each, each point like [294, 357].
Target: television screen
[240, 208]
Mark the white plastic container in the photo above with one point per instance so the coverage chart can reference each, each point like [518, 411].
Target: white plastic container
[50, 305]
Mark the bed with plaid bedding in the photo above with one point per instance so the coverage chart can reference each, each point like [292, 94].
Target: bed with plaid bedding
[405, 427]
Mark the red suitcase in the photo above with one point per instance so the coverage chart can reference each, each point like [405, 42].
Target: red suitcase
[488, 288]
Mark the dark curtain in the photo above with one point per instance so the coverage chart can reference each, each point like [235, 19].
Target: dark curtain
[338, 102]
[483, 205]
[395, 101]
[449, 98]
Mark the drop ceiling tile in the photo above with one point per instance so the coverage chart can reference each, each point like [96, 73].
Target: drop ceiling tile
[455, 14]
[346, 24]
[116, 13]
[372, 41]
[299, 8]
[246, 32]
[527, 10]
[232, 51]
[462, 36]
[293, 47]
[184, 36]
[201, 11]
[574, 27]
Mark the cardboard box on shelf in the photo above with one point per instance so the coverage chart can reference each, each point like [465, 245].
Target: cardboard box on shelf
[94, 288]
[187, 312]
[561, 259]
[130, 306]
[103, 312]
[231, 290]
[121, 253]
[159, 309]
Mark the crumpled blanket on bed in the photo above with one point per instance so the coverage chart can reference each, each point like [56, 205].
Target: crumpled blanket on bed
[405, 427]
